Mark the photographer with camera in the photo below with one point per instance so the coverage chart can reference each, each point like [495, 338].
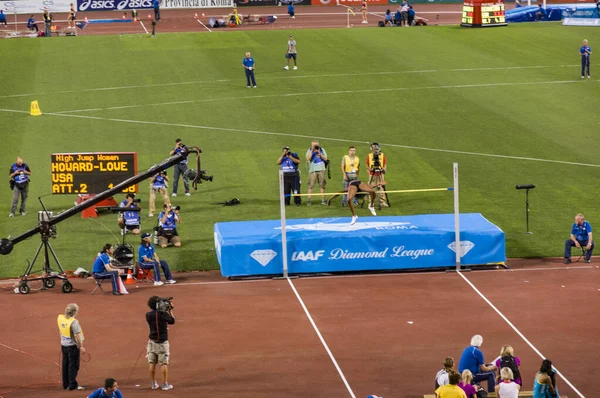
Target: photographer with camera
[129, 221]
[102, 268]
[158, 183]
[317, 164]
[19, 183]
[157, 349]
[167, 226]
[180, 168]
[288, 162]
[377, 165]
[148, 259]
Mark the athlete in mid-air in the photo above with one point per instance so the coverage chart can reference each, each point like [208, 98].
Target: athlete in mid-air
[355, 187]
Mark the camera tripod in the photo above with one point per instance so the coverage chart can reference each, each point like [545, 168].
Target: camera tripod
[376, 179]
[48, 274]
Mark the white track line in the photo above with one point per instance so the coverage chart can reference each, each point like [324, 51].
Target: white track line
[335, 92]
[517, 331]
[200, 127]
[143, 26]
[206, 27]
[288, 77]
[314, 325]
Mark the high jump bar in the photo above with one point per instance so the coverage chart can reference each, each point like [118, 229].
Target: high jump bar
[397, 191]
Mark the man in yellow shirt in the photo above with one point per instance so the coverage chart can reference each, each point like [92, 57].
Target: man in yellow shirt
[350, 170]
[451, 390]
[71, 340]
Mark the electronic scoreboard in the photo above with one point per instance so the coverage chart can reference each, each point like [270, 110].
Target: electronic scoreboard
[91, 173]
[478, 14]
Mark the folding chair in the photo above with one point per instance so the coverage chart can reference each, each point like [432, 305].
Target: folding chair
[144, 274]
[98, 285]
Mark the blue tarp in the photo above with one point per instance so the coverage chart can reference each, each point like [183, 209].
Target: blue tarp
[554, 12]
[374, 243]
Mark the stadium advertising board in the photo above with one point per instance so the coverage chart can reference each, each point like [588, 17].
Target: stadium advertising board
[110, 5]
[246, 3]
[352, 3]
[87, 173]
[33, 6]
[187, 4]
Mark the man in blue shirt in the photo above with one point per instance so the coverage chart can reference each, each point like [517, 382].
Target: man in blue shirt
[110, 390]
[291, 10]
[581, 236]
[288, 162]
[248, 64]
[180, 168]
[31, 25]
[540, 13]
[585, 51]
[3, 18]
[103, 270]
[19, 181]
[149, 260]
[129, 221]
[472, 359]
[156, 6]
[167, 223]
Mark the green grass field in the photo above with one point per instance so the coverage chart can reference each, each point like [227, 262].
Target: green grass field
[421, 93]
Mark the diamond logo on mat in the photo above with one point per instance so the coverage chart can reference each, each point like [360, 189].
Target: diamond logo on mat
[345, 227]
[263, 257]
[465, 247]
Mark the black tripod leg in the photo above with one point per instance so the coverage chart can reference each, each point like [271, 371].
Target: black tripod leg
[62, 271]
[31, 264]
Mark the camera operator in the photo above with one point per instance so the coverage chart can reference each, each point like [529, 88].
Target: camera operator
[180, 168]
[288, 162]
[157, 349]
[317, 164]
[158, 183]
[19, 182]
[167, 226]
[129, 221]
[377, 165]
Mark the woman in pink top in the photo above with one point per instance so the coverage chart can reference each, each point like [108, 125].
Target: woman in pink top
[466, 385]
[507, 388]
[508, 359]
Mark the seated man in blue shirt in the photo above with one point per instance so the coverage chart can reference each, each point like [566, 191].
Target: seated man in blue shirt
[103, 270]
[31, 25]
[149, 259]
[291, 11]
[472, 359]
[110, 390]
[540, 13]
[167, 226]
[581, 236]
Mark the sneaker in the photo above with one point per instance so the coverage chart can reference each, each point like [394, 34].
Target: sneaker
[372, 210]
[188, 194]
[171, 281]
[117, 293]
[286, 67]
[151, 215]
[253, 86]
[154, 385]
[11, 215]
[293, 17]
[174, 194]
[247, 86]
[308, 202]
[588, 261]
[23, 213]
[354, 218]
[567, 261]
[78, 388]
[158, 283]
[365, 22]
[324, 202]
[166, 386]
[589, 77]
[295, 68]
[583, 77]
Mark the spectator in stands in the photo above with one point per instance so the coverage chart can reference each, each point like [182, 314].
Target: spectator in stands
[581, 236]
[411, 16]
[507, 388]
[31, 25]
[110, 390]
[465, 384]
[248, 64]
[47, 23]
[540, 13]
[441, 378]
[317, 165]
[544, 384]
[397, 17]
[472, 359]
[291, 10]
[451, 390]
[388, 18]
[3, 18]
[508, 360]
[404, 13]
[156, 6]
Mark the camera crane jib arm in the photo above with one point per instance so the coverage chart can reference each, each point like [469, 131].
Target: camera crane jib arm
[6, 245]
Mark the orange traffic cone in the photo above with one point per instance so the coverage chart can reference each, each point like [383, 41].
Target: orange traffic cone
[195, 15]
[203, 15]
[86, 20]
[149, 17]
[129, 280]
[123, 17]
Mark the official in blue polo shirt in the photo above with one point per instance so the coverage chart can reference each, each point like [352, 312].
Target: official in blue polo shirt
[472, 359]
[102, 268]
[585, 51]
[110, 390]
[156, 6]
[248, 64]
[581, 236]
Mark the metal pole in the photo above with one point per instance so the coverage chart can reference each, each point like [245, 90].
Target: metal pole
[527, 212]
[283, 228]
[457, 247]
